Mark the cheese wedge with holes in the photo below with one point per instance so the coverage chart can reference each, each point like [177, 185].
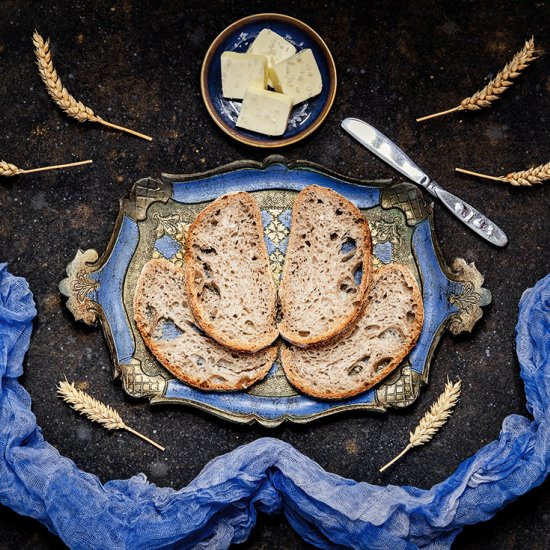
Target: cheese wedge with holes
[297, 77]
[264, 111]
[272, 45]
[241, 69]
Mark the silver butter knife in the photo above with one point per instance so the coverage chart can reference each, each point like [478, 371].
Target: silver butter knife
[380, 145]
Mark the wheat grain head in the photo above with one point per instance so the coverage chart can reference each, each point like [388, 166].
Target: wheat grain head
[432, 421]
[529, 177]
[57, 91]
[503, 79]
[437, 416]
[498, 85]
[90, 407]
[8, 170]
[61, 95]
[525, 178]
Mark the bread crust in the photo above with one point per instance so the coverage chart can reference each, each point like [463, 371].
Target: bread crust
[346, 325]
[298, 382]
[187, 371]
[209, 385]
[250, 345]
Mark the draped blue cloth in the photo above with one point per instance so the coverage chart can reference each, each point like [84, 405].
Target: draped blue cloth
[219, 506]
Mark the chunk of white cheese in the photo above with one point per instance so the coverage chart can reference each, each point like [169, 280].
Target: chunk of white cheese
[264, 111]
[273, 46]
[297, 76]
[241, 69]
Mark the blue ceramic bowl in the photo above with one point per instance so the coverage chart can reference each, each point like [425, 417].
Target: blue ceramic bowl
[305, 117]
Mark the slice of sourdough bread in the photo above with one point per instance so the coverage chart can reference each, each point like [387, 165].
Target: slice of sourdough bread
[327, 268]
[168, 328]
[386, 331]
[229, 281]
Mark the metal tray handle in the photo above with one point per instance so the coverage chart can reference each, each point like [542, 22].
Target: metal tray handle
[80, 287]
[469, 298]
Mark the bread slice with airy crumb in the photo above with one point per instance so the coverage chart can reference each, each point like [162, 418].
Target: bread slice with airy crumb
[327, 268]
[167, 326]
[386, 331]
[229, 281]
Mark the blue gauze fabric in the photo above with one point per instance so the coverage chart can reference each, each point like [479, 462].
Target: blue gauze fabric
[219, 506]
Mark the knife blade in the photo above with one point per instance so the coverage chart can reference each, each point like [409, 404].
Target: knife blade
[383, 147]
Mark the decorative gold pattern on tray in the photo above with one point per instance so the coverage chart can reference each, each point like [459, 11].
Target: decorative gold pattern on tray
[401, 388]
[276, 384]
[167, 225]
[145, 192]
[387, 229]
[277, 232]
[138, 382]
[408, 198]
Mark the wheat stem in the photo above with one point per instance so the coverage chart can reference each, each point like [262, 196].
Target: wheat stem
[432, 421]
[61, 95]
[95, 410]
[144, 437]
[394, 460]
[498, 85]
[123, 129]
[8, 170]
[57, 166]
[441, 113]
[470, 173]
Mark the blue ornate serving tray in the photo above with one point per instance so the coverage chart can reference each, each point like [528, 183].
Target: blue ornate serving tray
[152, 223]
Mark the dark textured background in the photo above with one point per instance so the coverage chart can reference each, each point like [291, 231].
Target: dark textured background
[137, 63]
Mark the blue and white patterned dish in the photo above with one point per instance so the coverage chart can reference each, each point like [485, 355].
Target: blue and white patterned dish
[152, 224]
[306, 116]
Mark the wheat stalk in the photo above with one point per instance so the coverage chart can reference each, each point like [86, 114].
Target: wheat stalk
[7, 169]
[95, 410]
[525, 178]
[61, 95]
[433, 420]
[498, 85]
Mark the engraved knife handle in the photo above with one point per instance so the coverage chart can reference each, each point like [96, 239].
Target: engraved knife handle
[471, 217]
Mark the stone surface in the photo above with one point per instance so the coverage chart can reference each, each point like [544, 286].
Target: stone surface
[137, 64]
